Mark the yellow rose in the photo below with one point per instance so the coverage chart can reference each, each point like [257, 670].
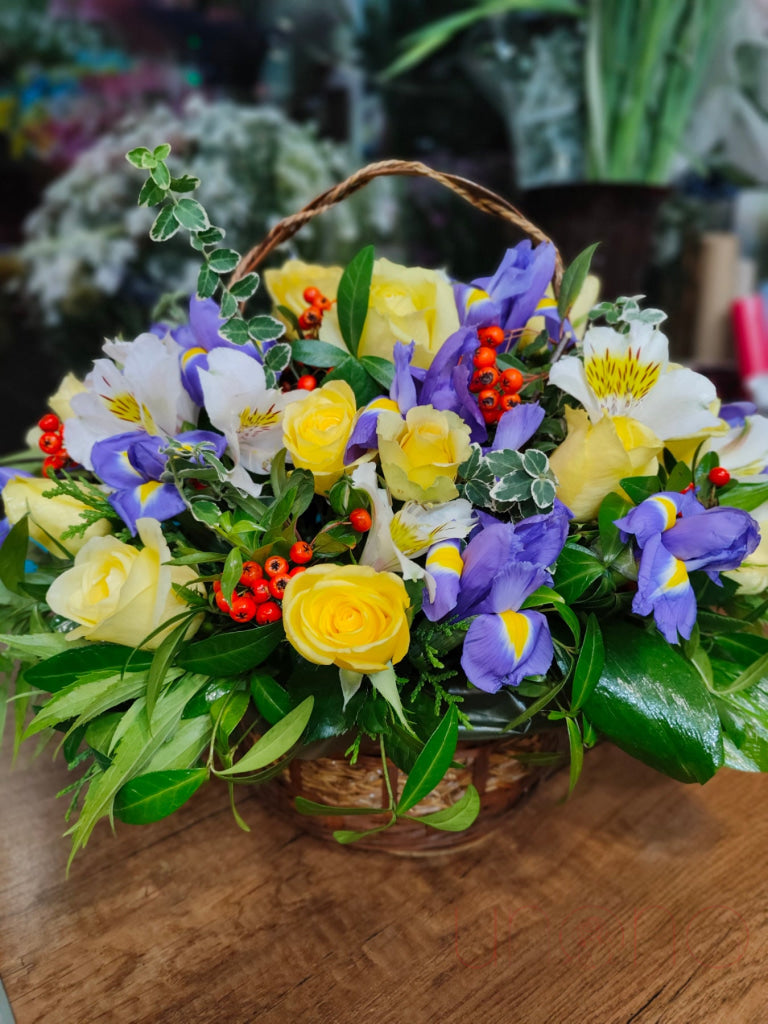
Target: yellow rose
[594, 457]
[119, 593]
[316, 431]
[48, 517]
[420, 455]
[347, 615]
[406, 304]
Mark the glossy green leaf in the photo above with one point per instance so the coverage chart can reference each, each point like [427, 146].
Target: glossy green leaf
[612, 507]
[744, 496]
[154, 796]
[272, 701]
[352, 297]
[265, 328]
[457, 817]
[576, 570]
[236, 331]
[226, 714]
[275, 742]
[222, 261]
[576, 747]
[382, 370]
[641, 487]
[573, 280]
[590, 664]
[354, 373]
[207, 283]
[653, 704]
[317, 353]
[150, 194]
[245, 287]
[432, 763]
[165, 225]
[229, 654]
[13, 555]
[230, 577]
[191, 215]
[744, 718]
[160, 175]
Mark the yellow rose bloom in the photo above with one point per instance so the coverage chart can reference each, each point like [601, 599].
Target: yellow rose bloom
[48, 517]
[406, 304]
[347, 615]
[120, 594]
[316, 431]
[420, 455]
[594, 457]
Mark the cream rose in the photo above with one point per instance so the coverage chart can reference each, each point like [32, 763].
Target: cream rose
[49, 517]
[119, 593]
[406, 304]
[347, 615]
[316, 431]
[420, 455]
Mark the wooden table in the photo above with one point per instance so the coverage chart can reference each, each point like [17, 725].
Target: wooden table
[640, 900]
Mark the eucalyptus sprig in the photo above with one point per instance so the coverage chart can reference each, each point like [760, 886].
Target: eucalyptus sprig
[179, 210]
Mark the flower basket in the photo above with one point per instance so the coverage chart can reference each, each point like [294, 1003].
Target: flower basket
[390, 549]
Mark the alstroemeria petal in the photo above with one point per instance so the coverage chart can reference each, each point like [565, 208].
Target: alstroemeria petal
[502, 650]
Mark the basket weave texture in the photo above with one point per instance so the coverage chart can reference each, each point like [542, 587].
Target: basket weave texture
[503, 771]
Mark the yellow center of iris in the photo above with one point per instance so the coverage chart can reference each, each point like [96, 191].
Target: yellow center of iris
[621, 376]
[446, 557]
[670, 511]
[191, 353]
[678, 575]
[518, 630]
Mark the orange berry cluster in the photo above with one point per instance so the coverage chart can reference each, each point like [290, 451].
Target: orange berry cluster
[496, 390]
[51, 441]
[260, 589]
[311, 318]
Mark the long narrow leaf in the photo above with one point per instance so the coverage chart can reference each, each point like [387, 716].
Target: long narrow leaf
[432, 763]
[275, 742]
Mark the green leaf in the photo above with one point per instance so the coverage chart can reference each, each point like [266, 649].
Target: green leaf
[161, 663]
[230, 577]
[211, 235]
[354, 373]
[187, 183]
[305, 806]
[245, 287]
[543, 492]
[227, 304]
[275, 742]
[638, 488]
[576, 747]
[265, 328]
[222, 261]
[154, 796]
[432, 763]
[207, 283]
[272, 701]
[352, 297]
[161, 175]
[226, 714]
[90, 696]
[191, 215]
[141, 157]
[515, 486]
[573, 280]
[501, 463]
[589, 667]
[576, 569]
[37, 645]
[535, 463]
[317, 353]
[612, 507]
[382, 370]
[165, 225]
[457, 817]
[743, 495]
[235, 330]
[161, 152]
[229, 654]
[754, 673]
[653, 704]
[13, 556]
[150, 194]
[744, 718]
[278, 357]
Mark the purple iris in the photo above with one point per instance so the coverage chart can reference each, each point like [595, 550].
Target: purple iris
[133, 464]
[677, 535]
[502, 565]
[199, 337]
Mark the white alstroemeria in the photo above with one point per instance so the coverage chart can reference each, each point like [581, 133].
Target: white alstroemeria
[244, 409]
[630, 375]
[144, 392]
[380, 551]
[415, 528]
[743, 450]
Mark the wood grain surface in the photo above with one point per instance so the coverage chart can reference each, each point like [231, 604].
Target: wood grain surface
[641, 900]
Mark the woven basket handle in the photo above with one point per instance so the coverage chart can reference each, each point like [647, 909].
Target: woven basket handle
[476, 195]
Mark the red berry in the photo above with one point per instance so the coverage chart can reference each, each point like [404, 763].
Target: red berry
[252, 573]
[221, 602]
[719, 476]
[488, 377]
[296, 570]
[49, 422]
[217, 586]
[323, 304]
[277, 586]
[491, 415]
[269, 612]
[275, 566]
[360, 519]
[484, 356]
[243, 608]
[53, 462]
[307, 382]
[511, 381]
[310, 319]
[300, 553]
[691, 486]
[492, 336]
[311, 295]
[260, 591]
[488, 400]
[509, 402]
[50, 443]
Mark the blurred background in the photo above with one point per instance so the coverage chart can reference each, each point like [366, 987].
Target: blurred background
[642, 125]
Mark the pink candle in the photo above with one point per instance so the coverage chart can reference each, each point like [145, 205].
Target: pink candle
[750, 332]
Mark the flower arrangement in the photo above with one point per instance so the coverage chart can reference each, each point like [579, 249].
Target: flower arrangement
[401, 509]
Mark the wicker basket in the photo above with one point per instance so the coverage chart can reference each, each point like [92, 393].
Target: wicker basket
[502, 770]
